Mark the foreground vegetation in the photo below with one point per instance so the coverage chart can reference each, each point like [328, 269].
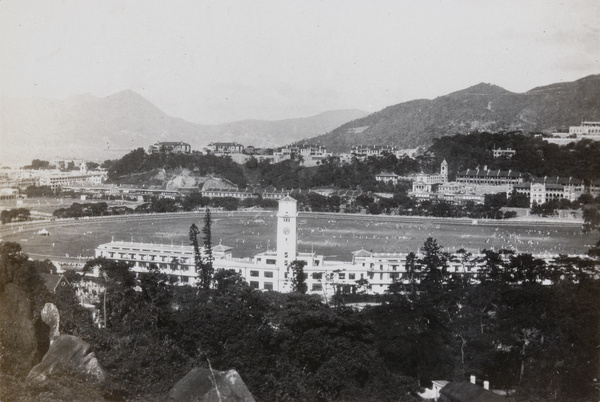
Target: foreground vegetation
[506, 327]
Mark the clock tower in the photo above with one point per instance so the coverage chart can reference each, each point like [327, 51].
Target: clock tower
[287, 236]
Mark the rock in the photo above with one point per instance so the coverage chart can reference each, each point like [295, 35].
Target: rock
[18, 344]
[51, 317]
[67, 352]
[206, 385]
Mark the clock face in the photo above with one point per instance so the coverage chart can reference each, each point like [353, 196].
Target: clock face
[286, 230]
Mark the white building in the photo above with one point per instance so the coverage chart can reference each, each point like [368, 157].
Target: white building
[551, 188]
[508, 152]
[587, 129]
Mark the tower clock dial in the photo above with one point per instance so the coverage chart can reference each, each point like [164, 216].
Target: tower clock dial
[286, 230]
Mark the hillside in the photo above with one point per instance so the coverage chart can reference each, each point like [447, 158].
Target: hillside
[482, 107]
[103, 128]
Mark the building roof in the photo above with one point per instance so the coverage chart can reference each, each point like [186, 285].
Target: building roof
[171, 143]
[225, 144]
[222, 248]
[467, 392]
[387, 174]
[52, 281]
[288, 198]
[488, 173]
[362, 253]
[559, 180]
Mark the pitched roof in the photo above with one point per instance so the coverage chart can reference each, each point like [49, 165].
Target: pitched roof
[467, 392]
[488, 173]
[288, 198]
[362, 253]
[52, 281]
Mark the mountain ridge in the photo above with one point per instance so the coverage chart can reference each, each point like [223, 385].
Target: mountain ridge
[483, 107]
[98, 128]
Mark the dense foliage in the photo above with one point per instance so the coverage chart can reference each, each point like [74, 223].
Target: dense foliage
[533, 156]
[506, 327]
[138, 162]
[15, 215]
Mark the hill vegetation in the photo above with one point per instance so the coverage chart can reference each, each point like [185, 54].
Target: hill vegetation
[534, 157]
[483, 107]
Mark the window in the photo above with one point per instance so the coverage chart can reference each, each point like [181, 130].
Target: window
[317, 287]
[269, 285]
[268, 274]
[271, 261]
[254, 284]
[351, 276]
[253, 273]
[317, 275]
[342, 276]
[185, 279]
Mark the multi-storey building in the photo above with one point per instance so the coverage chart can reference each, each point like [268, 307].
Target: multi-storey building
[170, 147]
[485, 176]
[551, 188]
[225, 148]
[507, 153]
[387, 177]
[587, 129]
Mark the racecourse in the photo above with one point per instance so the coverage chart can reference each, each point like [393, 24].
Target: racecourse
[333, 235]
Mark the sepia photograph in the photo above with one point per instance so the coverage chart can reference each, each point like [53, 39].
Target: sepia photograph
[299, 200]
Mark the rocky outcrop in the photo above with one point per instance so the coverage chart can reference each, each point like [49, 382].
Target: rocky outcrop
[206, 385]
[18, 345]
[67, 353]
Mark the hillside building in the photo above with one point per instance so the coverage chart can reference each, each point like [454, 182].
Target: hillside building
[587, 129]
[506, 153]
[170, 148]
[225, 148]
[362, 152]
[387, 177]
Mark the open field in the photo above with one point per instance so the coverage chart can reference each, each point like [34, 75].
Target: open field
[333, 235]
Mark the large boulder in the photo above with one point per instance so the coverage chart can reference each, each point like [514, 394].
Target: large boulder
[67, 353]
[18, 343]
[206, 385]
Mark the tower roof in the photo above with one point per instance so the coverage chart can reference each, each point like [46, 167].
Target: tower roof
[288, 198]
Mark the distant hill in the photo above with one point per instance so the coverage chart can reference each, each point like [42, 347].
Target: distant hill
[482, 107]
[95, 128]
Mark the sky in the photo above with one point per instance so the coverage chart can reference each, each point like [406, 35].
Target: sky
[220, 61]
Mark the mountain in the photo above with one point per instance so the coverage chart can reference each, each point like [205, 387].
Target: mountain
[93, 128]
[482, 107]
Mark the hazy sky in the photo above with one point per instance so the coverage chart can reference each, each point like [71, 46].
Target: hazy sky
[219, 61]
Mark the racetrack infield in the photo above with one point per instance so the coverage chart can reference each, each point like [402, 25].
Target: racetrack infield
[332, 235]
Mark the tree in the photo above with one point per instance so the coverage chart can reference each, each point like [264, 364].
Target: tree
[434, 261]
[193, 236]
[207, 261]
[591, 219]
[227, 279]
[298, 276]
